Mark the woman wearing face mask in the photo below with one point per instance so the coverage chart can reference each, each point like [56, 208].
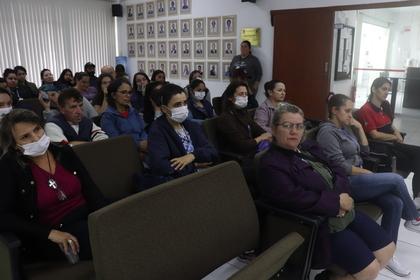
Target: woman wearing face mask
[46, 193]
[242, 135]
[177, 146]
[5, 102]
[199, 107]
[275, 91]
[140, 81]
[197, 75]
[120, 118]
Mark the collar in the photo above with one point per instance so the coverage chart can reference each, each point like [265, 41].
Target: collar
[376, 109]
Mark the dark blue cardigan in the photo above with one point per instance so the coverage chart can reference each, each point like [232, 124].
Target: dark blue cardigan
[164, 144]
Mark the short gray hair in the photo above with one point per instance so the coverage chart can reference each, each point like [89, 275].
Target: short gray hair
[282, 108]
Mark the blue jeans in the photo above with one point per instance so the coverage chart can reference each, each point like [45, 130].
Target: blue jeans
[388, 191]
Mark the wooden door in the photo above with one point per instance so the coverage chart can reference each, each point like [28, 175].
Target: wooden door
[303, 41]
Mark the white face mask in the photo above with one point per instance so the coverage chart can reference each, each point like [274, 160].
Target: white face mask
[179, 114]
[5, 111]
[38, 148]
[199, 95]
[241, 102]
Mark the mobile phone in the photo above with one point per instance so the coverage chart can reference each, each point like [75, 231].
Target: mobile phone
[45, 96]
[72, 258]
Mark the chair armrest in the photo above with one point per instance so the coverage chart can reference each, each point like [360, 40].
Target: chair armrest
[230, 156]
[9, 255]
[270, 261]
[370, 162]
[303, 218]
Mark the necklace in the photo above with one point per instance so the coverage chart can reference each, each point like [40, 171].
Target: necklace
[51, 183]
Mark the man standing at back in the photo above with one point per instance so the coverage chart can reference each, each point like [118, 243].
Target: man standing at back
[70, 126]
[90, 69]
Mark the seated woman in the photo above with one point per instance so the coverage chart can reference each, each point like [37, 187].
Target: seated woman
[177, 146]
[376, 119]
[199, 107]
[120, 118]
[51, 105]
[66, 78]
[48, 78]
[387, 190]
[151, 98]
[100, 102]
[297, 176]
[242, 135]
[140, 81]
[82, 85]
[158, 76]
[46, 193]
[275, 91]
[197, 75]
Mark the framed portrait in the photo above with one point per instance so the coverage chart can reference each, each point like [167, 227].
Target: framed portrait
[151, 67]
[173, 28]
[186, 49]
[213, 26]
[225, 71]
[150, 9]
[161, 51]
[151, 49]
[173, 73]
[140, 30]
[173, 48]
[141, 66]
[162, 66]
[200, 66]
[229, 25]
[160, 8]
[213, 71]
[130, 12]
[185, 6]
[141, 51]
[186, 69]
[213, 50]
[161, 29]
[140, 11]
[228, 48]
[150, 29]
[131, 50]
[185, 27]
[172, 7]
[199, 27]
[199, 49]
[130, 31]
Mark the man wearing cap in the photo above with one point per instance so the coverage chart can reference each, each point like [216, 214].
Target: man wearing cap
[90, 69]
[70, 126]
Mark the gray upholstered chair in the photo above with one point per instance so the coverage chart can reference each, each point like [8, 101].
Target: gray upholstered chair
[184, 229]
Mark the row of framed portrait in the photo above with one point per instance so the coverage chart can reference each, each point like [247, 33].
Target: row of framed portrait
[182, 28]
[159, 8]
[200, 49]
[182, 69]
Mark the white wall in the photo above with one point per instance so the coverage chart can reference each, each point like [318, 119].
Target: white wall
[248, 15]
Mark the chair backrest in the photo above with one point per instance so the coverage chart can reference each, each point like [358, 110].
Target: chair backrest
[251, 112]
[183, 229]
[209, 127]
[311, 133]
[96, 120]
[32, 104]
[111, 163]
[217, 105]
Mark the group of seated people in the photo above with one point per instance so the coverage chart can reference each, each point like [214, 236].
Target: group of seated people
[325, 177]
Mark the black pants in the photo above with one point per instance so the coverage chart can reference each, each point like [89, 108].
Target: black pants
[408, 159]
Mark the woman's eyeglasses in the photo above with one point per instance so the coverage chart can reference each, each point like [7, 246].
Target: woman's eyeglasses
[287, 126]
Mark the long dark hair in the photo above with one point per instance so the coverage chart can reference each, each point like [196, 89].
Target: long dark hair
[336, 100]
[63, 73]
[377, 83]
[112, 88]
[150, 94]
[228, 105]
[100, 92]
[135, 77]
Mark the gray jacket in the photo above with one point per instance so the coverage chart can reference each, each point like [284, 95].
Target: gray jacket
[340, 145]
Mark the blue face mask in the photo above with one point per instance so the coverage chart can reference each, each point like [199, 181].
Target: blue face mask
[139, 88]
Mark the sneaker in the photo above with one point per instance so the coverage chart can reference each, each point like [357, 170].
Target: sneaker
[417, 202]
[247, 257]
[397, 268]
[413, 225]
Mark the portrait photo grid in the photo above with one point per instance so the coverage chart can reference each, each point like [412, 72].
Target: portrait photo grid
[160, 37]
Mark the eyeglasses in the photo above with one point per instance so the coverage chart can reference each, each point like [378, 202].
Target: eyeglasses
[58, 192]
[124, 92]
[287, 126]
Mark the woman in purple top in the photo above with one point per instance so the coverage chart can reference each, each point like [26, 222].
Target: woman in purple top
[298, 176]
[82, 84]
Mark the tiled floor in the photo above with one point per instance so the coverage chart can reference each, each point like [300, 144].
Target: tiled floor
[408, 247]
